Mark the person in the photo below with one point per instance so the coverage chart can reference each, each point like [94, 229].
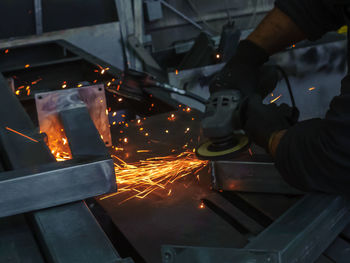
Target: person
[312, 155]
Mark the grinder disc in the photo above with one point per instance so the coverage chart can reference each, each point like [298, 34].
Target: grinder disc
[210, 150]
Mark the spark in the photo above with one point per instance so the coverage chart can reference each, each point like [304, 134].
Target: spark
[114, 114]
[313, 88]
[17, 92]
[188, 109]
[6, 51]
[79, 85]
[176, 72]
[144, 151]
[120, 99]
[27, 66]
[118, 149]
[36, 81]
[275, 99]
[142, 178]
[166, 131]
[187, 130]
[64, 86]
[171, 117]
[218, 56]
[125, 140]
[250, 152]
[17, 132]
[202, 206]
[146, 134]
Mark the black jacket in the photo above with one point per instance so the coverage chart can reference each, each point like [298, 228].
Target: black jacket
[314, 155]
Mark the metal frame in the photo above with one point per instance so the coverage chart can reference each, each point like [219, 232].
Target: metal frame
[37, 179]
[300, 235]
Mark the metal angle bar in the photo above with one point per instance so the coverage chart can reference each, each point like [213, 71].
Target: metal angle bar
[45, 186]
[38, 17]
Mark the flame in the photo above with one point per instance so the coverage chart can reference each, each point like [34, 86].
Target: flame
[142, 178]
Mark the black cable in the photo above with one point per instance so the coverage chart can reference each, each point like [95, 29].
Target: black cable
[285, 76]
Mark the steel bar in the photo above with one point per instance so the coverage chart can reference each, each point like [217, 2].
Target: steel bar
[70, 234]
[38, 17]
[300, 235]
[45, 186]
[126, 22]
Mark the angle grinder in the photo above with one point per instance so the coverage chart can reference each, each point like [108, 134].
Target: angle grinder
[224, 119]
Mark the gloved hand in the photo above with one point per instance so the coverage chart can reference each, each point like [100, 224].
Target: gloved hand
[262, 121]
[242, 71]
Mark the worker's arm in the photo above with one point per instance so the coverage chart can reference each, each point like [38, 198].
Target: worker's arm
[315, 154]
[294, 20]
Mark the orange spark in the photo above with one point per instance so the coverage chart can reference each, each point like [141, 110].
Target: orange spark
[140, 179]
[27, 66]
[313, 88]
[275, 99]
[6, 51]
[201, 206]
[17, 132]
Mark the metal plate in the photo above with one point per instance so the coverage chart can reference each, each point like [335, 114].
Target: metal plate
[48, 105]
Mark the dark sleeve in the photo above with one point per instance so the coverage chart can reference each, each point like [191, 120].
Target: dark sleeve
[313, 17]
[314, 155]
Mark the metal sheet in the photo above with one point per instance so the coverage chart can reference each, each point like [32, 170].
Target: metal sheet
[32, 189]
[49, 104]
[254, 175]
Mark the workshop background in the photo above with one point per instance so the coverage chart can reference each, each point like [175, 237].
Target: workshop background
[100, 110]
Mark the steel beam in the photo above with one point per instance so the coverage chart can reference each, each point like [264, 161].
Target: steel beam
[70, 234]
[299, 236]
[54, 184]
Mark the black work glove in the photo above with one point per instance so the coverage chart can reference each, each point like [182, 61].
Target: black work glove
[242, 72]
[261, 121]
